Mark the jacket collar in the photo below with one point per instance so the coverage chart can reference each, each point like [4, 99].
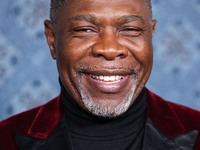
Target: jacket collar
[47, 118]
[168, 127]
[159, 111]
[155, 139]
[58, 139]
[163, 116]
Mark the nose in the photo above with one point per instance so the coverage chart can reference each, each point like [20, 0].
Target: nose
[109, 48]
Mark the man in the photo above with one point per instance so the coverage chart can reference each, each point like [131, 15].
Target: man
[103, 51]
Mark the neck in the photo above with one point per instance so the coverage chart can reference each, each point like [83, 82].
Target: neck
[85, 123]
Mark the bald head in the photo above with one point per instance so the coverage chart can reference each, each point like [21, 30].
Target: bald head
[57, 4]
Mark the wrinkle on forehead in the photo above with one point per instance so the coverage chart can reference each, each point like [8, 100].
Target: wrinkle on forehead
[93, 19]
[57, 4]
[103, 12]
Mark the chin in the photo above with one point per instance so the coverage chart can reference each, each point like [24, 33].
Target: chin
[108, 108]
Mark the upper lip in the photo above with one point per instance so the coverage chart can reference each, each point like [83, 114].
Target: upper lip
[109, 72]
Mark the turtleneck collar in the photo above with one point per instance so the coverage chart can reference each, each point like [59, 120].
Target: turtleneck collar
[84, 123]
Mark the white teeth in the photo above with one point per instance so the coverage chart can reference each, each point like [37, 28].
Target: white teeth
[112, 78]
[101, 77]
[117, 78]
[108, 78]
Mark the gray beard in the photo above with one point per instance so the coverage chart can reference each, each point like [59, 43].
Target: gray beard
[105, 111]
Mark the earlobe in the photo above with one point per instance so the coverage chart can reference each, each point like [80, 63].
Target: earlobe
[50, 36]
[154, 21]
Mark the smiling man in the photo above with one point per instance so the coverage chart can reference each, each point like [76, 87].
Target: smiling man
[104, 56]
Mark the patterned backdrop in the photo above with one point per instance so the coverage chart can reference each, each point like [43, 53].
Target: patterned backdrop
[28, 75]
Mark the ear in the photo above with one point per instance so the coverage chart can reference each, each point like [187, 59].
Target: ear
[50, 36]
[154, 21]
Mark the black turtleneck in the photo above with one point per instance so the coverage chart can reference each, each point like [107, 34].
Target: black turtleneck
[90, 132]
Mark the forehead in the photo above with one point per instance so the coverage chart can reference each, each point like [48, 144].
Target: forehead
[105, 8]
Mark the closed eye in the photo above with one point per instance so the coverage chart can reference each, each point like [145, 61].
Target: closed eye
[85, 29]
[131, 31]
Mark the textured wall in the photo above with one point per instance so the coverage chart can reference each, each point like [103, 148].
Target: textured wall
[28, 75]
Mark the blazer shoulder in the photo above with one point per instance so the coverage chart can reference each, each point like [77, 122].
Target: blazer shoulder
[188, 116]
[19, 121]
[17, 124]
[23, 122]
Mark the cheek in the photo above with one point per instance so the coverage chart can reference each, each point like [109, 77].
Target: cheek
[67, 54]
[141, 50]
[72, 53]
[146, 58]
[75, 50]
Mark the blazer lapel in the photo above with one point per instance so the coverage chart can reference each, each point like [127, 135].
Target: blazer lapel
[58, 139]
[154, 139]
[48, 130]
[167, 127]
[46, 120]
[163, 116]
[29, 143]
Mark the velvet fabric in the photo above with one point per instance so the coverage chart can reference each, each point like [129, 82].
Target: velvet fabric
[171, 119]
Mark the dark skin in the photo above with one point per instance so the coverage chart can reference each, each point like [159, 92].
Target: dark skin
[103, 38]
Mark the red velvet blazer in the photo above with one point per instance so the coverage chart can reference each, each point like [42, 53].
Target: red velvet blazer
[171, 121]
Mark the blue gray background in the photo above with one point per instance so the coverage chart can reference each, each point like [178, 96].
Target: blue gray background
[28, 75]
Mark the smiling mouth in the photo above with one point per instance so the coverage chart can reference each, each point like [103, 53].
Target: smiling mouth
[109, 81]
[111, 78]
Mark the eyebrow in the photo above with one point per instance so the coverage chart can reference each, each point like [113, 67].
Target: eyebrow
[87, 17]
[130, 18]
[92, 18]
